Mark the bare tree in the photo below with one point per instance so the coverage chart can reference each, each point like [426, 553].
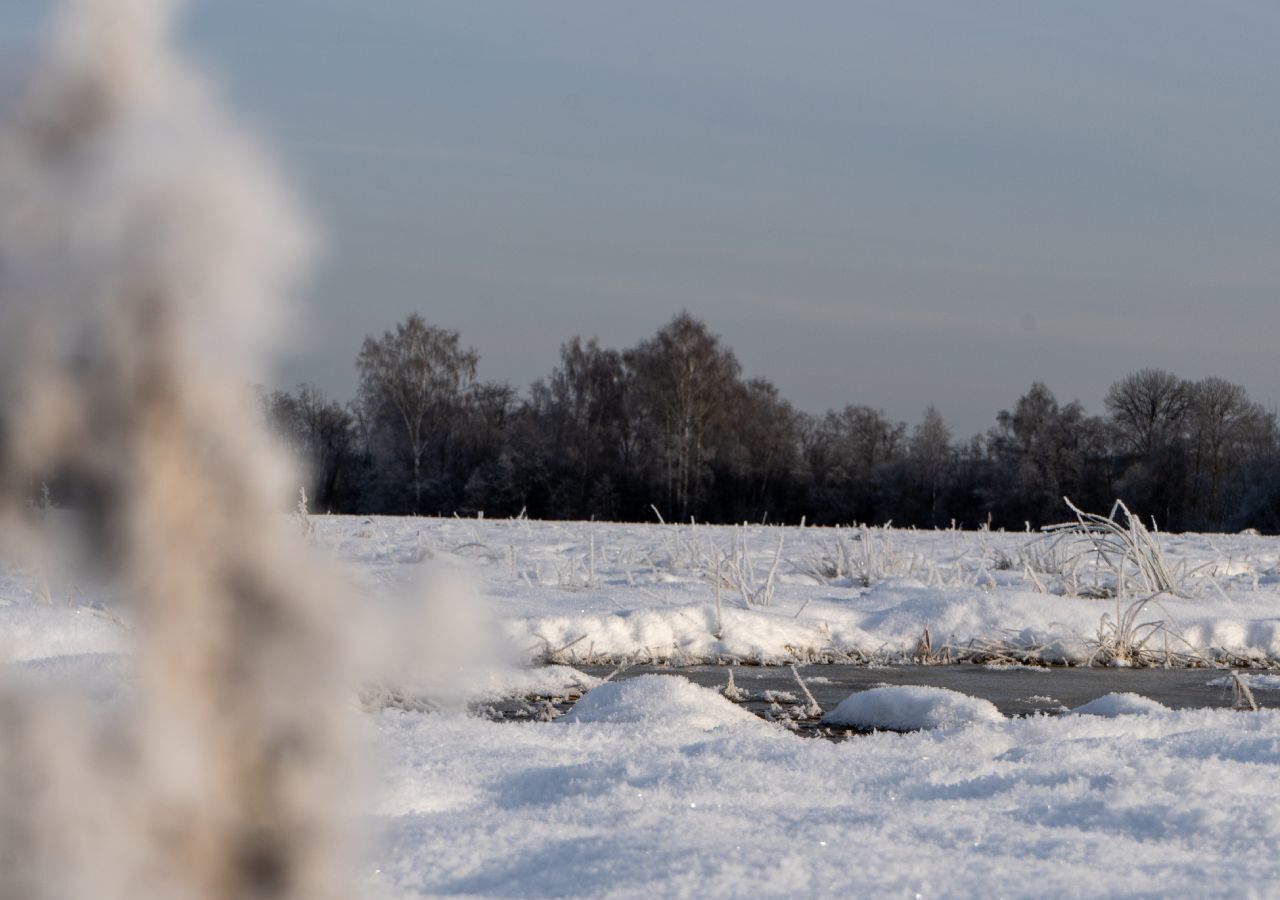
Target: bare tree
[765, 445]
[319, 432]
[412, 384]
[1043, 451]
[1226, 430]
[1148, 407]
[683, 378]
[930, 453]
[585, 406]
[844, 451]
[863, 438]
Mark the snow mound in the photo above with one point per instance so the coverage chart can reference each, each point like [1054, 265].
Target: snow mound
[501, 682]
[911, 708]
[1127, 704]
[653, 700]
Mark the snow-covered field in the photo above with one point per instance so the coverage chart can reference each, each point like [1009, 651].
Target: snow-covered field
[657, 787]
[586, 592]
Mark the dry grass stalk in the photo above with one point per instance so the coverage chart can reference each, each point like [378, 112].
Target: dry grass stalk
[1126, 550]
[1241, 697]
[811, 708]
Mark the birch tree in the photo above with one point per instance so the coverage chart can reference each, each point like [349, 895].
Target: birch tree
[413, 382]
[684, 379]
[1226, 429]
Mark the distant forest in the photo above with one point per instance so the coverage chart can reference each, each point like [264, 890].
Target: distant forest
[670, 424]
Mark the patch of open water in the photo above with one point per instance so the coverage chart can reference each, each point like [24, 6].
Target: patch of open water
[1016, 691]
[774, 693]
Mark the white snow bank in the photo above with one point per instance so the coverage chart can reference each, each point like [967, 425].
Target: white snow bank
[652, 700]
[1124, 704]
[911, 708]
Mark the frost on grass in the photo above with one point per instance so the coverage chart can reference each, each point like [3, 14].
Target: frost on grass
[649, 603]
[911, 708]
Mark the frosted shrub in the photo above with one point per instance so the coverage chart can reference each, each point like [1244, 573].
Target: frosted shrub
[145, 246]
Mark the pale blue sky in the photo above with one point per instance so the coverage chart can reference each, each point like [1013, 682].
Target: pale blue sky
[890, 203]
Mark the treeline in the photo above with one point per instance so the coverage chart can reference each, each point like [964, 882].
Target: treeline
[672, 424]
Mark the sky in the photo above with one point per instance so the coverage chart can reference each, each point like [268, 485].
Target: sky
[885, 203]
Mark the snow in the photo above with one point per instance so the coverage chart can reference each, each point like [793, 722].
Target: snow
[1182, 803]
[909, 708]
[604, 593]
[659, 701]
[1121, 704]
[654, 786]
[598, 592]
[30, 630]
